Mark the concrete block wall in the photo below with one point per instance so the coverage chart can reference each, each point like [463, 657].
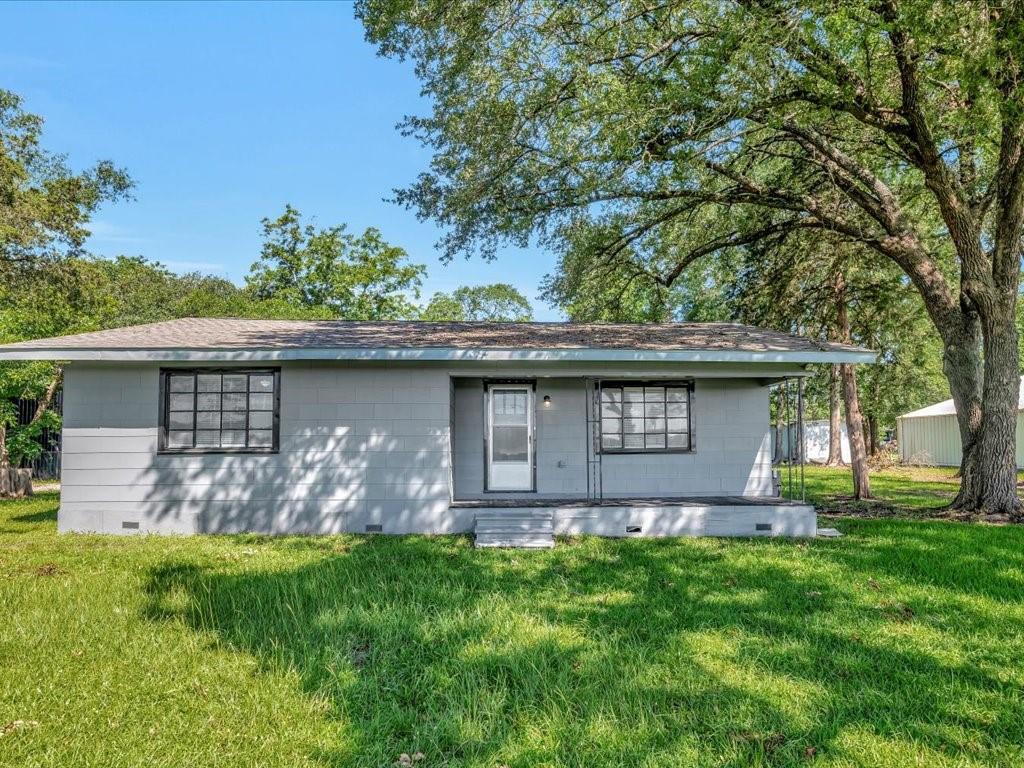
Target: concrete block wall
[560, 439]
[360, 445]
[732, 439]
[467, 437]
[368, 444]
[732, 442]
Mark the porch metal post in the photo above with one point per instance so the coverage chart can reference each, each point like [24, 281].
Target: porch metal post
[587, 415]
[800, 433]
[592, 425]
[596, 399]
[788, 416]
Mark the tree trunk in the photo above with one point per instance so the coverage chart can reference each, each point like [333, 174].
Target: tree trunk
[14, 482]
[855, 432]
[871, 434]
[44, 403]
[985, 392]
[835, 428]
[997, 453]
[962, 365]
[854, 420]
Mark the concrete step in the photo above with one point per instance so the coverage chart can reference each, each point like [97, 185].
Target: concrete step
[514, 514]
[515, 528]
[515, 541]
[512, 534]
[500, 526]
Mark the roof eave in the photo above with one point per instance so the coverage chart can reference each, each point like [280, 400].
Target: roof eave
[437, 354]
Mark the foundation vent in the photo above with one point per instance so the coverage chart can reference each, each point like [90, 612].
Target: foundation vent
[634, 529]
[130, 525]
[763, 527]
[375, 528]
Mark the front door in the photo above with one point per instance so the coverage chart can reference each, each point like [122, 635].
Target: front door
[510, 437]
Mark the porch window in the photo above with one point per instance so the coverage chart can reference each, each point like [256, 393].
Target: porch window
[645, 417]
[206, 410]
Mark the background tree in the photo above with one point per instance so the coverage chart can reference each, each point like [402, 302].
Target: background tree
[778, 286]
[76, 295]
[787, 284]
[141, 291]
[354, 278]
[685, 128]
[45, 208]
[498, 302]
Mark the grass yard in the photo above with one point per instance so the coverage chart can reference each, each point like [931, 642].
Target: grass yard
[900, 644]
[909, 491]
[914, 492]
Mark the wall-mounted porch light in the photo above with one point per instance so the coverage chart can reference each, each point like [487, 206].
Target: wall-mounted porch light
[547, 401]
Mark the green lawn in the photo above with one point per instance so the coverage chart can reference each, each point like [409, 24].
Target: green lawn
[913, 492]
[910, 491]
[900, 644]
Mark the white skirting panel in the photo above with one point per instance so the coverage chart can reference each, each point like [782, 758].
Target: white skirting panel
[794, 520]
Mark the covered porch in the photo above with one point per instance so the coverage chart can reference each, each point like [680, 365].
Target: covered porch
[535, 522]
[533, 457]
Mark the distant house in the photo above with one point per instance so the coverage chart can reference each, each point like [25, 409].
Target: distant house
[931, 435]
[513, 431]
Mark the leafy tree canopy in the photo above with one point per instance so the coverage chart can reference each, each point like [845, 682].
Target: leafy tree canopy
[639, 139]
[75, 295]
[498, 302]
[353, 278]
[45, 206]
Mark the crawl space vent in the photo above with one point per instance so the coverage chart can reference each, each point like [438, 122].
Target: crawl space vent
[763, 527]
[132, 525]
[374, 528]
[633, 529]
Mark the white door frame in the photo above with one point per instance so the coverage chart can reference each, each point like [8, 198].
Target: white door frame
[500, 476]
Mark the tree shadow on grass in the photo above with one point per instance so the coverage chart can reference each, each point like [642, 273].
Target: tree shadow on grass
[612, 653]
[933, 505]
[43, 516]
[896, 498]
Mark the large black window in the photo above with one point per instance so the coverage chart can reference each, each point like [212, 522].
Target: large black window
[645, 417]
[219, 411]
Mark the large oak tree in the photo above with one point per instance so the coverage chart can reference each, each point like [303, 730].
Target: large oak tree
[671, 131]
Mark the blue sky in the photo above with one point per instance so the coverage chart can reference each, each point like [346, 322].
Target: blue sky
[224, 113]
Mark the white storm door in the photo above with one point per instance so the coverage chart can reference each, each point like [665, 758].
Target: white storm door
[510, 437]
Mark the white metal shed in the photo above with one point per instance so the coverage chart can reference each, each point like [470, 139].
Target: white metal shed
[931, 436]
[816, 433]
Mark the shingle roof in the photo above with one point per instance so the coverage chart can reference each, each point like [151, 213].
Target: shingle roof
[228, 334]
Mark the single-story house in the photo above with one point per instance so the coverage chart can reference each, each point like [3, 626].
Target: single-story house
[931, 435]
[514, 431]
[816, 436]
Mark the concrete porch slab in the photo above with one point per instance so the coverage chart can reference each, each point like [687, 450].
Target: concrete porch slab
[718, 516]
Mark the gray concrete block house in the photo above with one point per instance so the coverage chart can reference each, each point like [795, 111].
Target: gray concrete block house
[514, 431]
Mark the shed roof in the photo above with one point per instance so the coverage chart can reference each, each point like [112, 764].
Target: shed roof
[947, 408]
[229, 338]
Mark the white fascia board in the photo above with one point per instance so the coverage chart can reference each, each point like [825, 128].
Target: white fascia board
[433, 354]
[638, 370]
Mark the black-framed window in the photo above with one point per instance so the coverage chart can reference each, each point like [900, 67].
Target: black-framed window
[212, 410]
[646, 417]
